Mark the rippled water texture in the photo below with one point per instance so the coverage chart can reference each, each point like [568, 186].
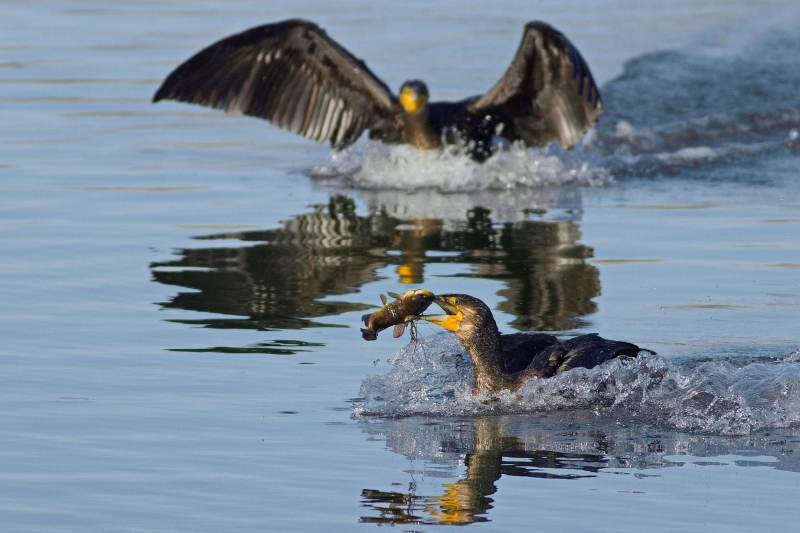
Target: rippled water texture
[181, 289]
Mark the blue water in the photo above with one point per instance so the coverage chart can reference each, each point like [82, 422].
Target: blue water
[181, 289]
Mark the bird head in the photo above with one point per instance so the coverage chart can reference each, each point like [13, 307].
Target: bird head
[413, 96]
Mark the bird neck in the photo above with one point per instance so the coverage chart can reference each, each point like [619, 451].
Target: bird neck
[418, 131]
[481, 339]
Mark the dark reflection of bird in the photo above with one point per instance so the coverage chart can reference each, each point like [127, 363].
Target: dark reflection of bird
[279, 277]
[292, 74]
[489, 449]
[505, 362]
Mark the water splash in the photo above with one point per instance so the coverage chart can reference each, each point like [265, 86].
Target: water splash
[434, 377]
[373, 165]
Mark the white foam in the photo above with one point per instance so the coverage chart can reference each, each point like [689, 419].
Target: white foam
[625, 129]
[689, 154]
[434, 377]
[373, 165]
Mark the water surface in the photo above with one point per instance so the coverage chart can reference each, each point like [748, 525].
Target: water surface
[182, 288]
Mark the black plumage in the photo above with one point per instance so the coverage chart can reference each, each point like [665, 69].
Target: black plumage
[507, 361]
[292, 74]
[549, 356]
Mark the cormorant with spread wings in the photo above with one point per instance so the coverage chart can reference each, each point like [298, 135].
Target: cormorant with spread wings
[292, 74]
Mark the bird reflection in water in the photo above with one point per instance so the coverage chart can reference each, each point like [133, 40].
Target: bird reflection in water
[276, 278]
[494, 453]
[544, 447]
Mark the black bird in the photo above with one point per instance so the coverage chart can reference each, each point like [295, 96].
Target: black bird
[506, 362]
[292, 74]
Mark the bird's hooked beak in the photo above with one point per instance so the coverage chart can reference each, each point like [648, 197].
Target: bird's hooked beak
[452, 317]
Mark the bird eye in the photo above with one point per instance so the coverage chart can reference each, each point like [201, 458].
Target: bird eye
[456, 301]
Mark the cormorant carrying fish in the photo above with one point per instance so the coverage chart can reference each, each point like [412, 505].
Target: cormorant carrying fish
[506, 362]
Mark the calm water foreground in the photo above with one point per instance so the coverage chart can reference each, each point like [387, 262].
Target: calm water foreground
[181, 289]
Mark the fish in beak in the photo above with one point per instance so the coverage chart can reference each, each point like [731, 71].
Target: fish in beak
[398, 313]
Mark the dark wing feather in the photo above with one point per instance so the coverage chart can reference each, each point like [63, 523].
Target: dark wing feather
[292, 74]
[590, 350]
[584, 351]
[519, 349]
[547, 94]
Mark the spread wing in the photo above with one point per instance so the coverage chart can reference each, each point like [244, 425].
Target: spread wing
[292, 74]
[547, 94]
